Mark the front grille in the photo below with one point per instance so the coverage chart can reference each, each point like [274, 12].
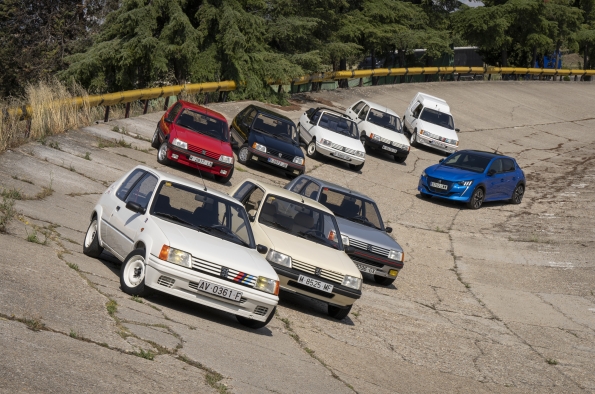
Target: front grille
[203, 152]
[337, 146]
[438, 190]
[356, 243]
[166, 281]
[309, 289]
[275, 153]
[261, 310]
[326, 274]
[350, 151]
[362, 260]
[194, 286]
[216, 270]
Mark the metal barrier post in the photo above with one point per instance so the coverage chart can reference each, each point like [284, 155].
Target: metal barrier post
[166, 105]
[106, 117]
[127, 114]
[146, 107]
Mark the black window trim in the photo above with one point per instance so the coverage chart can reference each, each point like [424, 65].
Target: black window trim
[132, 186]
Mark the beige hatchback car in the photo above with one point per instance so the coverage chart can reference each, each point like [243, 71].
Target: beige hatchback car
[305, 245]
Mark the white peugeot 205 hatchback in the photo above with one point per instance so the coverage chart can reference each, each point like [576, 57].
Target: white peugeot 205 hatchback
[186, 240]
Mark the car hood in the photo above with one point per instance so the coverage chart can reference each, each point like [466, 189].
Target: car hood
[203, 141]
[310, 252]
[215, 250]
[269, 141]
[384, 133]
[367, 234]
[438, 130]
[337, 138]
[450, 173]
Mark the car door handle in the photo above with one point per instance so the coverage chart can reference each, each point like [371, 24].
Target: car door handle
[117, 208]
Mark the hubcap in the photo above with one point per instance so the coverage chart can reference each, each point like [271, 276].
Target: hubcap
[243, 155]
[163, 152]
[91, 232]
[311, 148]
[412, 138]
[134, 273]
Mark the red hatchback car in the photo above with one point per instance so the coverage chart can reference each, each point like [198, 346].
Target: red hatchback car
[195, 136]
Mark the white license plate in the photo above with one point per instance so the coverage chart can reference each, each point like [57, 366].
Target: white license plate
[436, 144]
[315, 283]
[367, 269]
[439, 185]
[277, 162]
[218, 290]
[340, 155]
[389, 149]
[201, 161]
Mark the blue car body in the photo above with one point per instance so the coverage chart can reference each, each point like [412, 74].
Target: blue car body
[498, 180]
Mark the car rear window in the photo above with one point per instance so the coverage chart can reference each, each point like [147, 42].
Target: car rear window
[203, 124]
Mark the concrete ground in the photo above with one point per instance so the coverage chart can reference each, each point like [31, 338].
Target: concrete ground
[495, 300]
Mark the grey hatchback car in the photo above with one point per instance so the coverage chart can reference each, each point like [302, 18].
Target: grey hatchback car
[360, 224]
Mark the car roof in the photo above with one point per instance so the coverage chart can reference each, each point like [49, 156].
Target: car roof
[203, 110]
[434, 102]
[330, 110]
[381, 108]
[164, 176]
[331, 185]
[271, 113]
[279, 191]
[491, 155]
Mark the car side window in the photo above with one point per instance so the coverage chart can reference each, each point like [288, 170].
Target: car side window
[311, 190]
[496, 166]
[254, 199]
[173, 112]
[241, 193]
[357, 107]
[508, 165]
[297, 187]
[417, 110]
[129, 183]
[362, 115]
[315, 118]
[310, 113]
[249, 118]
[143, 190]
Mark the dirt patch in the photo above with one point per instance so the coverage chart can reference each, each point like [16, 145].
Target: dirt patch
[293, 106]
[303, 98]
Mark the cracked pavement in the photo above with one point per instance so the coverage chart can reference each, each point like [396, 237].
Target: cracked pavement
[499, 299]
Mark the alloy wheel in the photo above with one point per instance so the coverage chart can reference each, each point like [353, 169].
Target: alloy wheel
[163, 152]
[243, 154]
[519, 191]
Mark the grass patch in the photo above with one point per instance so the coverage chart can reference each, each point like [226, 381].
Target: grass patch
[102, 143]
[241, 169]
[34, 324]
[54, 145]
[309, 351]
[212, 378]
[87, 156]
[73, 266]
[112, 307]
[551, 361]
[35, 239]
[103, 344]
[439, 230]
[73, 334]
[137, 299]
[148, 355]
[46, 191]
[12, 193]
[7, 212]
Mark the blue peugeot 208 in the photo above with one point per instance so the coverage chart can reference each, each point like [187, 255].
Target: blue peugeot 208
[472, 177]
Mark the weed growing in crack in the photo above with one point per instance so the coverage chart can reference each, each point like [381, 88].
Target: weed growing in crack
[87, 156]
[71, 168]
[551, 361]
[73, 334]
[12, 194]
[7, 212]
[73, 266]
[149, 355]
[309, 351]
[240, 169]
[102, 143]
[439, 230]
[35, 239]
[136, 298]
[103, 344]
[16, 177]
[54, 145]
[140, 150]
[34, 324]
[212, 378]
[112, 307]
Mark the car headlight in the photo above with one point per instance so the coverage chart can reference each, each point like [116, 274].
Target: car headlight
[423, 174]
[179, 143]
[375, 137]
[352, 281]
[396, 255]
[360, 153]
[325, 142]
[345, 240]
[465, 183]
[267, 285]
[176, 256]
[259, 147]
[226, 159]
[279, 258]
[298, 160]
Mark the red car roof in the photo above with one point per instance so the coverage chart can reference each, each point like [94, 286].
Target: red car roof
[203, 110]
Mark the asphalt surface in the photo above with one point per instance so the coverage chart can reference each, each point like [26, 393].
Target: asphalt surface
[495, 300]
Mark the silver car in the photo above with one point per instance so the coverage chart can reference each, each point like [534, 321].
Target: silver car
[360, 224]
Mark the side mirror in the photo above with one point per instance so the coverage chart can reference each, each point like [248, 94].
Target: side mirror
[135, 207]
[440, 161]
[167, 120]
[457, 130]
[388, 230]
[262, 249]
[491, 172]
[303, 145]
[349, 249]
[252, 215]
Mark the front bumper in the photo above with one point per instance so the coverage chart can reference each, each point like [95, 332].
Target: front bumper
[341, 296]
[218, 167]
[251, 305]
[262, 158]
[375, 264]
[375, 144]
[432, 143]
[454, 193]
[332, 153]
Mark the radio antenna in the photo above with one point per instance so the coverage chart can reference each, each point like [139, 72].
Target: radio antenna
[200, 173]
[496, 151]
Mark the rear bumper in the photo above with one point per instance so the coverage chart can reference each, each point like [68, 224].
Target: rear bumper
[263, 158]
[218, 167]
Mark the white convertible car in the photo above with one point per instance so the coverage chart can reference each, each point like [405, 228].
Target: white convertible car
[331, 133]
[183, 239]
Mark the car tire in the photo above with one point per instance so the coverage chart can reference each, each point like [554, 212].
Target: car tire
[383, 280]
[223, 179]
[517, 194]
[155, 140]
[133, 272]
[255, 324]
[413, 139]
[162, 154]
[244, 155]
[91, 245]
[400, 159]
[363, 141]
[425, 195]
[476, 198]
[357, 167]
[311, 150]
[338, 312]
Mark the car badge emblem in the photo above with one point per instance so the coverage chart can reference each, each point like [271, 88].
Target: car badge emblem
[369, 248]
[203, 151]
[280, 154]
[318, 271]
[224, 271]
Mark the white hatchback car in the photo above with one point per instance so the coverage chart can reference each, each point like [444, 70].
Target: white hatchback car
[380, 128]
[331, 133]
[183, 239]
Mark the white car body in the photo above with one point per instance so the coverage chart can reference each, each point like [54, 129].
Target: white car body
[428, 133]
[337, 146]
[375, 136]
[213, 260]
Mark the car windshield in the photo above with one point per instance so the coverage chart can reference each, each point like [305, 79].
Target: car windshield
[277, 127]
[203, 124]
[385, 120]
[438, 118]
[339, 125]
[204, 212]
[300, 220]
[467, 161]
[350, 207]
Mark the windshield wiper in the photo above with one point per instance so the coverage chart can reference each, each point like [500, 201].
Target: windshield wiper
[179, 220]
[187, 126]
[224, 230]
[279, 225]
[362, 220]
[315, 238]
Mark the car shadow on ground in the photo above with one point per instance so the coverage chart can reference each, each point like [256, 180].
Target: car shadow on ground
[321, 159]
[196, 172]
[369, 280]
[378, 154]
[309, 306]
[265, 169]
[460, 205]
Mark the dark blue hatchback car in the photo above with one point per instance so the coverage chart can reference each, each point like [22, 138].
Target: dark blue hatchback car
[472, 177]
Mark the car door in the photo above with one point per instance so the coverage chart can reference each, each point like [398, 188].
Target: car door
[251, 197]
[169, 119]
[125, 223]
[310, 190]
[307, 122]
[510, 177]
[354, 110]
[414, 115]
[495, 181]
